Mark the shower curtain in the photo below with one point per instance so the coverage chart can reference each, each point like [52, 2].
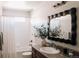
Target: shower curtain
[8, 49]
[9, 30]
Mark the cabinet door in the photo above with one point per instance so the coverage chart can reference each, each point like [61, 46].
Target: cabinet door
[33, 53]
[37, 54]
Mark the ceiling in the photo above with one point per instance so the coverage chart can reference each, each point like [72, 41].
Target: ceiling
[22, 5]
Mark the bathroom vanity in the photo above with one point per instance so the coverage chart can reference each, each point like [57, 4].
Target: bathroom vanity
[36, 53]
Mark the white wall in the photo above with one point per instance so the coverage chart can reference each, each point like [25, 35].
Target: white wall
[22, 34]
[46, 8]
[14, 13]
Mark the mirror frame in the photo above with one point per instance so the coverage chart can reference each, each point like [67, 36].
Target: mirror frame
[72, 12]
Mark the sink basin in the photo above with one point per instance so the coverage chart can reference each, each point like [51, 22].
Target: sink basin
[49, 50]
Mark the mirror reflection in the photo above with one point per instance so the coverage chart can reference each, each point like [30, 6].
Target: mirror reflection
[60, 27]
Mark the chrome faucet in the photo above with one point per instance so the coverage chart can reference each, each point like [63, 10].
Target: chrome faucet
[52, 45]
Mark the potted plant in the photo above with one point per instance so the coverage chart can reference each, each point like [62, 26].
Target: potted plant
[41, 32]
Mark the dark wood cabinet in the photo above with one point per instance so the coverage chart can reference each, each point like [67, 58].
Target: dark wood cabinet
[37, 54]
[64, 53]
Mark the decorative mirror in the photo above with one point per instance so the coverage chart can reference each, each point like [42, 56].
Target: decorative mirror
[63, 27]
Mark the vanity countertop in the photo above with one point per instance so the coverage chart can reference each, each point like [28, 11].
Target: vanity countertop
[60, 55]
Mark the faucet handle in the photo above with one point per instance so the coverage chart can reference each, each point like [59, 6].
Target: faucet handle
[53, 44]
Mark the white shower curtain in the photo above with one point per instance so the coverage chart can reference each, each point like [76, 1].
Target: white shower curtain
[9, 26]
[8, 37]
[16, 35]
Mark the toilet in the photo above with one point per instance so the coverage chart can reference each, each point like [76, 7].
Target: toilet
[27, 54]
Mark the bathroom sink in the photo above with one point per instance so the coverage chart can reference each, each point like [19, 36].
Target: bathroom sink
[49, 50]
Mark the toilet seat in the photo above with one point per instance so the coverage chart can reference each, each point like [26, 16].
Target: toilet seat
[26, 53]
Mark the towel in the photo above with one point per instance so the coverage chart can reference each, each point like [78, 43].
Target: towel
[1, 40]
